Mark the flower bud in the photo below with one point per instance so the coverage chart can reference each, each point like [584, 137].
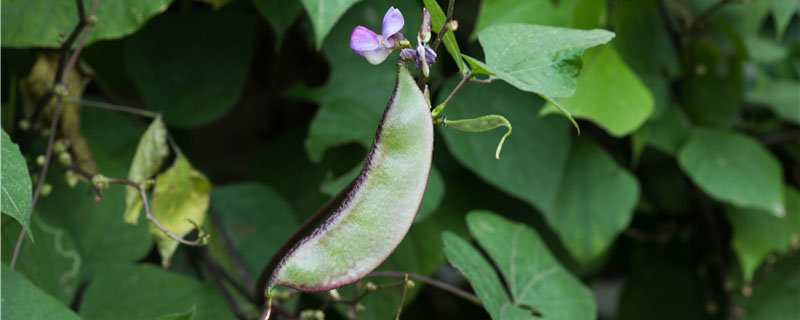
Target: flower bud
[452, 25]
[371, 287]
[335, 294]
[91, 20]
[70, 178]
[410, 284]
[24, 125]
[360, 308]
[40, 160]
[425, 28]
[59, 147]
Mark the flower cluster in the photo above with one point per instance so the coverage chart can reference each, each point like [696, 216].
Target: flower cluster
[376, 48]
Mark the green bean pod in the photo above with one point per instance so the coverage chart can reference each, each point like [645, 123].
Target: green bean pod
[378, 212]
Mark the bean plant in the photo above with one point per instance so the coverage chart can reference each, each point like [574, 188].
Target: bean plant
[388, 159]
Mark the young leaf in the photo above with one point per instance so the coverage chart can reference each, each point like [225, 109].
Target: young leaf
[17, 189]
[149, 155]
[34, 24]
[180, 201]
[437, 22]
[732, 168]
[781, 96]
[476, 65]
[324, 14]
[482, 124]
[540, 59]
[380, 209]
[757, 235]
[21, 300]
[609, 94]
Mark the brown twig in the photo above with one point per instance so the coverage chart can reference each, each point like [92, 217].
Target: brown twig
[780, 137]
[402, 298]
[42, 177]
[429, 281]
[61, 70]
[306, 227]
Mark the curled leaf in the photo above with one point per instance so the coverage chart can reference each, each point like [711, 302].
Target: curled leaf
[482, 124]
[149, 155]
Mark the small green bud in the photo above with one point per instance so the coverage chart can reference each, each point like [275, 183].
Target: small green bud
[24, 125]
[45, 132]
[360, 308]
[91, 20]
[46, 189]
[371, 287]
[319, 315]
[308, 314]
[71, 179]
[100, 180]
[410, 284]
[59, 147]
[65, 158]
[40, 160]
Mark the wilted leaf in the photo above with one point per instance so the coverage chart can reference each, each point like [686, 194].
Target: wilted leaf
[24, 301]
[733, 168]
[539, 59]
[609, 94]
[324, 14]
[17, 189]
[149, 155]
[180, 200]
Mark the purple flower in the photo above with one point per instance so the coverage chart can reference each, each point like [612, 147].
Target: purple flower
[375, 48]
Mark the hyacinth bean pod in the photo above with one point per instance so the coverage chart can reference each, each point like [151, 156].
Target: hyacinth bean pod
[379, 210]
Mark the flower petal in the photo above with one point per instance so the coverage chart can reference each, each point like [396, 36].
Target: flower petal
[377, 56]
[364, 40]
[392, 23]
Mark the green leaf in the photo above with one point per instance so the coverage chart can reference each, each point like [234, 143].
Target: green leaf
[257, 218]
[23, 300]
[17, 189]
[482, 124]
[144, 292]
[642, 40]
[758, 234]
[543, 141]
[37, 24]
[541, 12]
[205, 53]
[781, 96]
[535, 279]
[476, 65]
[540, 59]
[147, 160]
[434, 191]
[764, 50]
[714, 98]
[776, 296]
[438, 18]
[595, 202]
[280, 14]
[340, 122]
[324, 14]
[782, 12]
[52, 264]
[735, 169]
[180, 201]
[609, 94]
[187, 315]
[669, 132]
[480, 274]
